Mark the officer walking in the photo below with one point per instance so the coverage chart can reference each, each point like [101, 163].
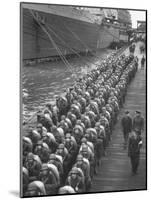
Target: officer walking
[138, 123]
[135, 143]
[126, 123]
[142, 62]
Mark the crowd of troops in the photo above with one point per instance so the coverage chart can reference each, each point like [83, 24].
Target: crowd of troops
[63, 152]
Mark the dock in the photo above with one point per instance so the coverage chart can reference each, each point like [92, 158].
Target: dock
[114, 173]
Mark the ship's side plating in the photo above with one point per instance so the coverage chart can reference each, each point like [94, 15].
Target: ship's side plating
[69, 34]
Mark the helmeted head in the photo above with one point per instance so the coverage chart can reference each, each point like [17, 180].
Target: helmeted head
[39, 128]
[35, 188]
[35, 136]
[44, 172]
[84, 140]
[84, 150]
[79, 159]
[74, 172]
[104, 109]
[68, 137]
[63, 117]
[60, 148]
[27, 145]
[30, 160]
[52, 156]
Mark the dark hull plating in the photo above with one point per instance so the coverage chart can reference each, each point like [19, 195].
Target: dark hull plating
[69, 34]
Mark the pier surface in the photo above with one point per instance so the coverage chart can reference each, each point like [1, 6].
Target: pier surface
[114, 173]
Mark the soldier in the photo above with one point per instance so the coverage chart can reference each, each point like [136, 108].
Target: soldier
[135, 143]
[42, 150]
[142, 62]
[33, 165]
[50, 178]
[126, 123]
[138, 123]
[76, 180]
[35, 188]
[85, 167]
[25, 179]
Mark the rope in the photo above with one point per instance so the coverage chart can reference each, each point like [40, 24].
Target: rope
[87, 63]
[54, 44]
[77, 37]
[64, 43]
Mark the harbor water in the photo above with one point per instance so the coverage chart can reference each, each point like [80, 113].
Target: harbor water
[42, 82]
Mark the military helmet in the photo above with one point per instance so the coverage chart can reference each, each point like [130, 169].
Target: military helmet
[79, 157]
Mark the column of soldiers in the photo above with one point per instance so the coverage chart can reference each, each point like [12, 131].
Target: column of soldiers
[63, 152]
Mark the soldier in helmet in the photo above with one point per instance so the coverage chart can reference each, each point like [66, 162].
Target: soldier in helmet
[76, 180]
[85, 167]
[25, 179]
[62, 151]
[33, 165]
[42, 150]
[35, 188]
[58, 162]
[27, 147]
[71, 146]
[34, 136]
[47, 176]
[50, 140]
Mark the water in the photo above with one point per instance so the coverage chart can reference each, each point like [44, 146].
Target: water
[41, 83]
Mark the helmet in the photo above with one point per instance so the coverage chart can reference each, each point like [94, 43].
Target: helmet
[30, 156]
[52, 156]
[83, 140]
[61, 146]
[25, 171]
[68, 136]
[27, 144]
[74, 170]
[79, 157]
[66, 190]
[37, 186]
[84, 147]
[39, 125]
[60, 131]
[35, 136]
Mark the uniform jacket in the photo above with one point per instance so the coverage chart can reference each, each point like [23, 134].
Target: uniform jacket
[138, 123]
[133, 146]
[127, 123]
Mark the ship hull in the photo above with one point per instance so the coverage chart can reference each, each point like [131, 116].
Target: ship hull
[71, 36]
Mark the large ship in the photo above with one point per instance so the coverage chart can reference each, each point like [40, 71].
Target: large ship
[50, 31]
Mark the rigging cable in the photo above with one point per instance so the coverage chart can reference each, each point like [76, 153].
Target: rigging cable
[54, 44]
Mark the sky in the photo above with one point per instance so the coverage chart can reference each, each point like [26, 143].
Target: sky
[137, 15]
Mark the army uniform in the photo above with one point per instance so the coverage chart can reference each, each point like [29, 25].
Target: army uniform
[135, 142]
